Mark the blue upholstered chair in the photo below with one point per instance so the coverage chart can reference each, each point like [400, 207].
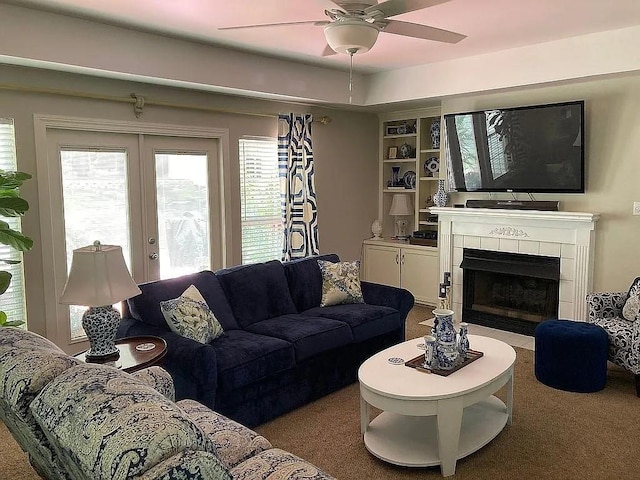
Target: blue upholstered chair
[606, 310]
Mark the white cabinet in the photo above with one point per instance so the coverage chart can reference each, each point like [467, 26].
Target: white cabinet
[402, 265]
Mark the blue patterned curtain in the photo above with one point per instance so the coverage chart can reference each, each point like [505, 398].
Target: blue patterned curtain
[296, 171]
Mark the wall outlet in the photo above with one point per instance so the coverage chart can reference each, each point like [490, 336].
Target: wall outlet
[636, 208]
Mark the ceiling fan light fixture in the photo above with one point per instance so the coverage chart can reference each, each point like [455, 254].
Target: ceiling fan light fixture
[346, 35]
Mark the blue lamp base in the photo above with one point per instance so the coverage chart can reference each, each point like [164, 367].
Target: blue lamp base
[101, 324]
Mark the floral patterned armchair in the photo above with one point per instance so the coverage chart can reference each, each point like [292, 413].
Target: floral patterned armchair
[606, 310]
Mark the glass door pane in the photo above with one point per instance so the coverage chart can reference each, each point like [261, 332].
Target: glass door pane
[96, 206]
[182, 201]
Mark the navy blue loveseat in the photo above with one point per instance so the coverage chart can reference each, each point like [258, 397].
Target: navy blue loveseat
[280, 349]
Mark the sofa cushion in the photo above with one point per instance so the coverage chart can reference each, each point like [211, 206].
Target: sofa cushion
[234, 442]
[366, 321]
[105, 424]
[277, 464]
[24, 372]
[146, 306]
[631, 307]
[257, 291]
[309, 335]
[190, 316]
[340, 283]
[305, 280]
[244, 358]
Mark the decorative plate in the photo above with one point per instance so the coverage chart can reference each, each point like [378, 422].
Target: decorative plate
[431, 166]
[145, 347]
[409, 179]
[405, 150]
[396, 361]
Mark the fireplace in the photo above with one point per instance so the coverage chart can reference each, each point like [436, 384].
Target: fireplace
[509, 291]
[567, 237]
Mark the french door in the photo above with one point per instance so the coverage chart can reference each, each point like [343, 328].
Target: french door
[158, 197]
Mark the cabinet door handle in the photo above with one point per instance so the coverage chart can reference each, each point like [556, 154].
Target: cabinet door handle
[397, 259]
[403, 259]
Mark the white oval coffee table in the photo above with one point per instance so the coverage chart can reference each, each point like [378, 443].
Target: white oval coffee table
[429, 419]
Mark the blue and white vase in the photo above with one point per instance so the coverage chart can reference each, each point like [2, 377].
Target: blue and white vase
[447, 355]
[463, 340]
[440, 198]
[446, 346]
[435, 133]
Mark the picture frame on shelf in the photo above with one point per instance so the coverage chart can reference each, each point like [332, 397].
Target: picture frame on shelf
[393, 153]
[392, 130]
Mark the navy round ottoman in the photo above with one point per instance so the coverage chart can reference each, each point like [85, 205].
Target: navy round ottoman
[571, 355]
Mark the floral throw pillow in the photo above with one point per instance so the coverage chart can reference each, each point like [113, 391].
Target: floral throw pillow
[190, 316]
[632, 305]
[340, 283]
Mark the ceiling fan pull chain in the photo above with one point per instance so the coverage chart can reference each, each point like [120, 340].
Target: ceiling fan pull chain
[351, 52]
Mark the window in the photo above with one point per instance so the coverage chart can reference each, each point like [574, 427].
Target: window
[260, 197]
[12, 302]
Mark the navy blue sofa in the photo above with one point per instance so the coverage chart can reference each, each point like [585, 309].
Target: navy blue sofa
[280, 349]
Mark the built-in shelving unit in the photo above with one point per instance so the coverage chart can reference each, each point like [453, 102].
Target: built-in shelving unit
[406, 145]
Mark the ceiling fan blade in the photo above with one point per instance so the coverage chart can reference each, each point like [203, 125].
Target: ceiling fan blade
[328, 51]
[422, 31]
[396, 7]
[317, 23]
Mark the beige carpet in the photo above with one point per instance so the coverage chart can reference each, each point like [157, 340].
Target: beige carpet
[555, 434]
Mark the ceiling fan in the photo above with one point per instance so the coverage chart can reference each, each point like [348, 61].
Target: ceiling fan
[353, 26]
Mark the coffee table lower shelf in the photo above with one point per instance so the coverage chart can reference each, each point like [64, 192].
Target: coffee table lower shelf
[413, 441]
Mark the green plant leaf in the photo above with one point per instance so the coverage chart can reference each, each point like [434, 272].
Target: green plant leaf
[3, 319]
[13, 206]
[11, 180]
[5, 281]
[14, 239]
[13, 323]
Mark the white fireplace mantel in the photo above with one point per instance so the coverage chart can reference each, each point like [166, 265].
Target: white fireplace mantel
[565, 235]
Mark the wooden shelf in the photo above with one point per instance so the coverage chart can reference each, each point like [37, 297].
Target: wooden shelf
[399, 190]
[406, 135]
[427, 179]
[430, 150]
[399, 160]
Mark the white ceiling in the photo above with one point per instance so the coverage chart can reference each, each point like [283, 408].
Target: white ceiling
[490, 25]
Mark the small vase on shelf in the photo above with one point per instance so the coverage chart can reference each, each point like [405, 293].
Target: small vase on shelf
[395, 178]
[440, 198]
[435, 133]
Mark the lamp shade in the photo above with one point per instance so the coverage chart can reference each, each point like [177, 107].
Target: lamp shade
[345, 35]
[401, 205]
[98, 277]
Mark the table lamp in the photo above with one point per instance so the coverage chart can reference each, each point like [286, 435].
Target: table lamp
[99, 278]
[400, 207]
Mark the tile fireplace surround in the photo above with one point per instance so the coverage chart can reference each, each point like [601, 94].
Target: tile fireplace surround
[565, 235]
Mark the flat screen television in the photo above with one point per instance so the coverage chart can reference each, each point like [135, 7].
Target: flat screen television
[536, 149]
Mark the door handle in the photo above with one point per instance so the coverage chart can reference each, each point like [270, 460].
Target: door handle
[153, 256]
[402, 259]
[397, 259]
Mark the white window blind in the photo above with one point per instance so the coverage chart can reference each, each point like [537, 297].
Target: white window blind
[261, 215]
[12, 302]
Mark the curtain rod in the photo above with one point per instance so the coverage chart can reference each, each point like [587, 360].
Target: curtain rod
[139, 101]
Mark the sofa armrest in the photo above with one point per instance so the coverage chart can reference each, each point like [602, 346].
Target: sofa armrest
[192, 365]
[191, 464]
[276, 463]
[605, 305]
[387, 296]
[158, 379]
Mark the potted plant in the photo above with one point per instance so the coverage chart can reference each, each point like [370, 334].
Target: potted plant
[11, 205]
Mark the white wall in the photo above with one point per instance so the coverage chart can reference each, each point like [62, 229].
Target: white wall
[612, 143]
[345, 154]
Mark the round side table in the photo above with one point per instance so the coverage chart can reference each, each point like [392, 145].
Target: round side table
[136, 353]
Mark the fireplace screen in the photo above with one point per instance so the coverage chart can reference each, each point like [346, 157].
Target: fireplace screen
[509, 291]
